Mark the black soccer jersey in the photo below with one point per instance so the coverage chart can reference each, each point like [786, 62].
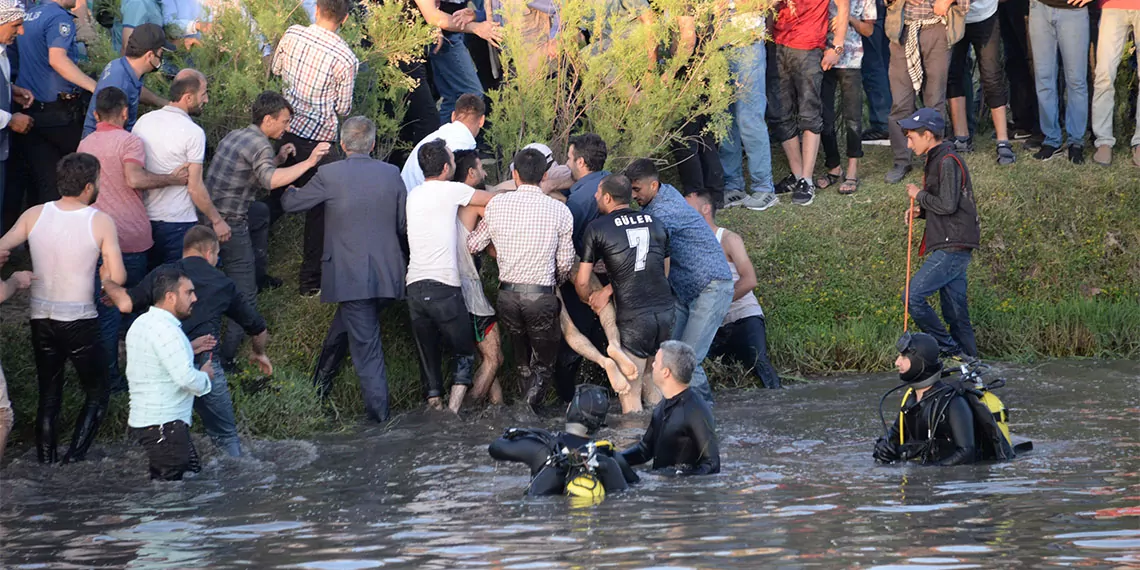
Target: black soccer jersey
[634, 247]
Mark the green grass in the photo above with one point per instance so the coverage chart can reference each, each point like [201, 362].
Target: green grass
[1058, 275]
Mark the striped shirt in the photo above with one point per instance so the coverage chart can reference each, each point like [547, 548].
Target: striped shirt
[160, 371]
[319, 70]
[532, 235]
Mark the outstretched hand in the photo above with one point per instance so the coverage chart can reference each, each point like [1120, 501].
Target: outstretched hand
[204, 343]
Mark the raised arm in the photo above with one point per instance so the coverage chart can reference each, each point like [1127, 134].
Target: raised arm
[299, 199]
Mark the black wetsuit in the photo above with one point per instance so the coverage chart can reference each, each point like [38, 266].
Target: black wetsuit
[681, 435]
[634, 248]
[533, 447]
[953, 440]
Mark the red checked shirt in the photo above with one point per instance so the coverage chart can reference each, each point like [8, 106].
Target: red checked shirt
[532, 235]
[319, 71]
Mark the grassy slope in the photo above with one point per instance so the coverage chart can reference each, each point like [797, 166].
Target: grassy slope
[1058, 275]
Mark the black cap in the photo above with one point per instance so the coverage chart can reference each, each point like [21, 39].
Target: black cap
[148, 37]
[922, 350]
[925, 118]
[589, 406]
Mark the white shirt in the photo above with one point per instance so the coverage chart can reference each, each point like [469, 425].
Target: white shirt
[160, 371]
[171, 139]
[432, 235]
[981, 10]
[457, 137]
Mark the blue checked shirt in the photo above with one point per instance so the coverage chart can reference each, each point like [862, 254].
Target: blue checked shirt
[160, 371]
[696, 257]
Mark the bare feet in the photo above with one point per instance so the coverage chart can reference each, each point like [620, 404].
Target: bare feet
[458, 391]
[617, 379]
[628, 368]
[435, 403]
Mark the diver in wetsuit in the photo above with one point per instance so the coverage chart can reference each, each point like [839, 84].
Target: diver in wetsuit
[937, 423]
[562, 462]
[682, 433]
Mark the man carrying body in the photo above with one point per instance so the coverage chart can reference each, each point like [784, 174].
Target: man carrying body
[142, 55]
[953, 231]
[363, 259]
[163, 379]
[466, 121]
[635, 250]
[682, 433]
[531, 233]
[66, 238]
[204, 326]
[698, 272]
[172, 138]
[243, 166]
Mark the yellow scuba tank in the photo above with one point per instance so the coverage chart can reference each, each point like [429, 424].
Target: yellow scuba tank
[584, 487]
[998, 409]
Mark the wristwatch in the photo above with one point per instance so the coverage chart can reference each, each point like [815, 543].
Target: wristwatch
[838, 49]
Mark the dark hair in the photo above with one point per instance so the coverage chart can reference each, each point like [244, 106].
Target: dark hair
[166, 280]
[335, 9]
[433, 157]
[921, 130]
[109, 102]
[531, 165]
[200, 238]
[465, 161]
[590, 148]
[269, 104]
[470, 105]
[642, 169]
[706, 198]
[188, 83]
[74, 172]
[617, 187]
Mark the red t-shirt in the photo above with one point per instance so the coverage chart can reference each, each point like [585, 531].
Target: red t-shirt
[806, 28]
[1120, 4]
[114, 147]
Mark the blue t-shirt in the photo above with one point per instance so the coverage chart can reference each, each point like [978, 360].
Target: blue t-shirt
[696, 258]
[583, 205]
[132, 14]
[118, 73]
[45, 26]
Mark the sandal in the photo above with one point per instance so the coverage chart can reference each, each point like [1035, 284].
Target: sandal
[849, 186]
[828, 180]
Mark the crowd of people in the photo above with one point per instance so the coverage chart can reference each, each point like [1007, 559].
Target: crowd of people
[132, 232]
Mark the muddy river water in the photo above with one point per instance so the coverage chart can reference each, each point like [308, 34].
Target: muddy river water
[798, 490]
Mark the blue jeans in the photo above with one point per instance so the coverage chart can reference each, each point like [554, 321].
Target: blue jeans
[453, 72]
[217, 410]
[1050, 30]
[111, 321]
[944, 272]
[876, 83]
[167, 241]
[749, 131]
[696, 325]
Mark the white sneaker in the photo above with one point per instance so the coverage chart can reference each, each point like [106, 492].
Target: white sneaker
[761, 201]
[734, 198]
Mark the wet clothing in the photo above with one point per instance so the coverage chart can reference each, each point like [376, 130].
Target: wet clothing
[54, 343]
[681, 435]
[642, 333]
[535, 448]
[169, 449]
[439, 319]
[938, 430]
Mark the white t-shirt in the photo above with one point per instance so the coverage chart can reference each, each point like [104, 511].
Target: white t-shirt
[432, 233]
[981, 10]
[171, 139]
[457, 137]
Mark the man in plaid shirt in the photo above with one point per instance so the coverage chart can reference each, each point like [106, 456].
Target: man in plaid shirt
[532, 235]
[319, 70]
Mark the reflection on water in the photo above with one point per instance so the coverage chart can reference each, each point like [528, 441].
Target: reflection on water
[798, 490]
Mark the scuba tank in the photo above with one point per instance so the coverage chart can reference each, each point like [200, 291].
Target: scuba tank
[582, 481]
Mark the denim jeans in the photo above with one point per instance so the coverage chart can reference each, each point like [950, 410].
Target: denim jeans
[1050, 30]
[453, 72]
[749, 130]
[850, 84]
[876, 83]
[1115, 27]
[944, 272]
[167, 241]
[797, 107]
[111, 321]
[696, 325]
[243, 259]
[746, 341]
[217, 410]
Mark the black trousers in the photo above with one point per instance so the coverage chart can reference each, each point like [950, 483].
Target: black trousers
[698, 161]
[314, 244]
[54, 344]
[33, 157]
[169, 450]
[746, 341]
[850, 83]
[531, 323]
[1013, 18]
[421, 117]
[440, 319]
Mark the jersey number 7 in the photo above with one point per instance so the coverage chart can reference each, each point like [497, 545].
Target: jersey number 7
[639, 240]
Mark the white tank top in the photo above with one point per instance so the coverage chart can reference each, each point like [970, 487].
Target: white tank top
[64, 256]
[746, 306]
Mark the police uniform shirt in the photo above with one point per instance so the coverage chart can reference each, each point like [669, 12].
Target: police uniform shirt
[117, 73]
[634, 247]
[46, 26]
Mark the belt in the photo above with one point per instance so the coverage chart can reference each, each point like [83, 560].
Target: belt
[57, 105]
[526, 288]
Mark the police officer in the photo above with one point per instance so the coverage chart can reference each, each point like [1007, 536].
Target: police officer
[45, 65]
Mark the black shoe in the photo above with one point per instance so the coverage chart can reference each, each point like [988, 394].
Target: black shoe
[876, 135]
[804, 193]
[269, 283]
[1048, 152]
[1076, 154]
[787, 184]
[1019, 134]
[963, 144]
[308, 293]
